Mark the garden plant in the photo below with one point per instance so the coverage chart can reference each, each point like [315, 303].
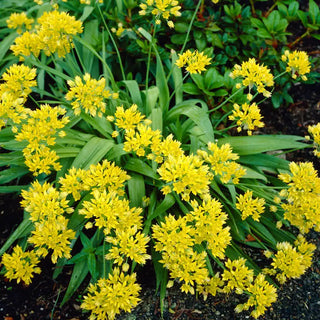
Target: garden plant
[131, 129]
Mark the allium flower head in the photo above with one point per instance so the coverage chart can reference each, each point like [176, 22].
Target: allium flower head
[108, 297]
[20, 265]
[19, 21]
[88, 95]
[262, 295]
[297, 63]
[161, 9]
[254, 75]
[53, 33]
[248, 117]
[196, 62]
[249, 206]
[302, 203]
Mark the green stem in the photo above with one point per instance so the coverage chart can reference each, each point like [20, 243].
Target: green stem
[114, 43]
[224, 102]
[271, 8]
[190, 26]
[280, 75]
[148, 64]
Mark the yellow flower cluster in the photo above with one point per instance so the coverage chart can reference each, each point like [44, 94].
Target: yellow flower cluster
[253, 74]
[249, 206]
[47, 206]
[222, 162]
[53, 33]
[19, 21]
[302, 196]
[291, 261]
[104, 176]
[174, 239]
[89, 95]
[248, 117]
[20, 265]
[315, 133]
[298, 63]
[185, 175]
[109, 296]
[262, 295]
[15, 87]
[239, 277]
[18, 80]
[208, 220]
[161, 9]
[40, 130]
[196, 62]
[177, 238]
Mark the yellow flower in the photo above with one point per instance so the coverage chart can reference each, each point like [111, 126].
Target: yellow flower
[249, 206]
[25, 45]
[18, 20]
[72, 182]
[290, 262]
[129, 243]
[185, 175]
[222, 162]
[40, 131]
[174, 239]
[315, 133]
[298, 63]
[127, 119]
[20, 265]
[196, 62]
[302, 196]
[110, 212]
[108, 297]
[254, 74]
[161, 9]
[262, 295]
[53, 234]
[105, 176]
[53, 33]
[248, 117]
[88, 95]
[237, 275]
[18, 80]
[208, 220]
[12, 110]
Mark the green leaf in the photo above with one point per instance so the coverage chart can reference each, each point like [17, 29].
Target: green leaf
[196, 114]
[87, 10]
[79, 273]
[164, 205]
[137, 191]
[265, 160]
[134, 90]
[24, 228]
[137, 165]
[177, 78]
[257, 144]
[313, 11]
[101, 124]
[12, 173]
[191, 88]
[6, 43]
[95, 149]
[162, 84]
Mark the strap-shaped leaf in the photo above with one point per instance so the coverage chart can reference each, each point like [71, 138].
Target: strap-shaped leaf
[134, 91]
[141, 167]
[95, 149]
[257, 144]
[136, 190]
[79, 273]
